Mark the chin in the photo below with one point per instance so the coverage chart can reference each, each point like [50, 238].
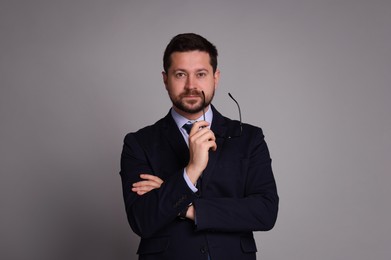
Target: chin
[195, 108]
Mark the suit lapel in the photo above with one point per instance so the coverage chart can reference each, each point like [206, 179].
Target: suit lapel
[175, 139]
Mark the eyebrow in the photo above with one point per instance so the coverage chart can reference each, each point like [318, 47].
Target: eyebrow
[198, 70]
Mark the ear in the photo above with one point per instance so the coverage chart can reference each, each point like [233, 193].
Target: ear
[165, 78]
[216, 77]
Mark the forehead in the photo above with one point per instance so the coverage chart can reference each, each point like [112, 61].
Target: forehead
[190, 60]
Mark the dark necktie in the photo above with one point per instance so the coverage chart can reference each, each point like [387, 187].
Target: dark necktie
[188, 127]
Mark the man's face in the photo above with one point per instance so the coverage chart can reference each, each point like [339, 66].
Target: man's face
[189, 74]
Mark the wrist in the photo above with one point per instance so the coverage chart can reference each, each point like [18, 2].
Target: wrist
[192, 174]
[183, 213]
[190, 214]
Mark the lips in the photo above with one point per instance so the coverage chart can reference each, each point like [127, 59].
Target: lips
[191, 96]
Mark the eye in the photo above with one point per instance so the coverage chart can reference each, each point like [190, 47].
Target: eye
[180, 75]
[201, 74]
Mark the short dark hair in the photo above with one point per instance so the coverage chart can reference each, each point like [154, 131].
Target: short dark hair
[189, 42]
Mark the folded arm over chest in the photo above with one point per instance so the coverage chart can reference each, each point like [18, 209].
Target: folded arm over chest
[154, 210]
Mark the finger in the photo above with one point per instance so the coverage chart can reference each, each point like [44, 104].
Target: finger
[140, 192]
[143, 189]
[151, 177]
[204, 132]
[214, 146]
[146, 183]
[197, 126]
[203, 136]
[210, 145]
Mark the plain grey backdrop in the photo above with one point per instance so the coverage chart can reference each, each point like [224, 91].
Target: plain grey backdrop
[76, 76]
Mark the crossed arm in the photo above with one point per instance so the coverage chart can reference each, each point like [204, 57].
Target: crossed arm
[201, 140]
[151, 182]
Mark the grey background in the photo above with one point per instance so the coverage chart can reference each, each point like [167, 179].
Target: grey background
[76, 76]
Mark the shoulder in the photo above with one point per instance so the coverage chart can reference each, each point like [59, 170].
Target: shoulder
[152, 134]
[149, 131]
[252, 129]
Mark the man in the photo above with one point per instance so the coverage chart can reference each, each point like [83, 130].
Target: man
[197, 195]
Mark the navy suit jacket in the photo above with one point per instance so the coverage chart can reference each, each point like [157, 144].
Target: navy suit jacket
[237, 193]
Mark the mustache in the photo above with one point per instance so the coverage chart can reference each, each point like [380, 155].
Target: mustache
[192, 92]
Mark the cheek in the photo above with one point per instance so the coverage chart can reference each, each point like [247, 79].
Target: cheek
[174, 86]
[172, 90]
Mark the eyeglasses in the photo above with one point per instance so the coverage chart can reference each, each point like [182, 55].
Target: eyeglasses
[234, 134]
[240, 118]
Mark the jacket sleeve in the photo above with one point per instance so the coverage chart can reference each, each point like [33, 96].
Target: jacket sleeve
[253, 210]
[154, 210]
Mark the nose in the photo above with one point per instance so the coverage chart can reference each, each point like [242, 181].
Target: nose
[190, 82]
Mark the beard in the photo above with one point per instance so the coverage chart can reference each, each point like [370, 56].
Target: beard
[191, 107]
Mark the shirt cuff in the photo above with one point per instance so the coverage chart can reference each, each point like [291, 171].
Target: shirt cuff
[189, 183]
